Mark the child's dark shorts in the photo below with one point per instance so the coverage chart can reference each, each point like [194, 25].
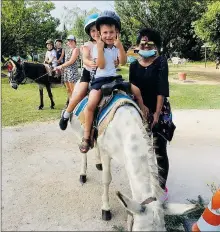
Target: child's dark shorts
[97, 83]
[85, 76]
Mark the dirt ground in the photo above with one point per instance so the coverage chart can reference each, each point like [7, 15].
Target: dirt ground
[41, 164]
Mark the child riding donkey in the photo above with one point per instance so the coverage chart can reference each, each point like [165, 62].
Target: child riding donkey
[88, 66]
[107, 50]
[50, 61]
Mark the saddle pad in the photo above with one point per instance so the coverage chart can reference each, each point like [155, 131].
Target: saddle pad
[107, 113]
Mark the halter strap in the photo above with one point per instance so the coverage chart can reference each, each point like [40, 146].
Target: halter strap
[149, 200]
[25, 77]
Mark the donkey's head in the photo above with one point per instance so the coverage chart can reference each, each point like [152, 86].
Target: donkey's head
[145, 216]
[142, 215]
[17, 75]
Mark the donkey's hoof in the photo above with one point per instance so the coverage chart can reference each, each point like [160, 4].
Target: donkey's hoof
[40, 107]
[106, 215]
[52, 107]
[99, 167]
[82, 179]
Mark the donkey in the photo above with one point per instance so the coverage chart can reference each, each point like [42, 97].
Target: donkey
[38, 74]
[126, 140]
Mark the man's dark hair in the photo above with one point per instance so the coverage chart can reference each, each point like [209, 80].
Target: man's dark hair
[152, 35]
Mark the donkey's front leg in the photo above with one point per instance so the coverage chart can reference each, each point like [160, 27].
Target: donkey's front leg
[106, 180]
[82, 178]
[98, 158]
[41, 106]
[50, 96]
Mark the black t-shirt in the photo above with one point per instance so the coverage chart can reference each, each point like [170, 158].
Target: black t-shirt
[151, 80]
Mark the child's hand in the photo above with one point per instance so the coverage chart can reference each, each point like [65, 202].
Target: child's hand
[92, 64]
[58, 68]
[116, 62]
[100, 43]
[117, 41]
[144, 110]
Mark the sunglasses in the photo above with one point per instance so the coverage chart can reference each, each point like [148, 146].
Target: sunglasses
[147, 44]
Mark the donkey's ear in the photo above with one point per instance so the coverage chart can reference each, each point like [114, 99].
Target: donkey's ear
[130, 205]
[3, 59]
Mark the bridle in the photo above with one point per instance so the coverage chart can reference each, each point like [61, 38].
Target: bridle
[18, 73]
[143, 208]
[23, 76]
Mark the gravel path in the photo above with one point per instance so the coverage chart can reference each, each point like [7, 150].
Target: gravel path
[40, 174]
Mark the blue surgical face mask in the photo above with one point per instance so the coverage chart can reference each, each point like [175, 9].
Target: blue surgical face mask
[131, 59]
[147, 53]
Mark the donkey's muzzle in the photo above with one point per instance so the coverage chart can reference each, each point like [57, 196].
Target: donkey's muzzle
[14, 85]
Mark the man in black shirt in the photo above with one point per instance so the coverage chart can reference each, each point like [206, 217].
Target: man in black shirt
[149, 75]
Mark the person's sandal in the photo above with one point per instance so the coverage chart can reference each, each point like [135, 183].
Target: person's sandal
[84, 146]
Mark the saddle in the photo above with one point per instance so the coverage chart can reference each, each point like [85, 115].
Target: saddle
[114, 95]
[119, 84]
[108, 92]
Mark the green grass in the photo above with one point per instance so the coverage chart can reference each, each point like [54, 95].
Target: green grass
[190, 96]
[20, 106]
[193, 96]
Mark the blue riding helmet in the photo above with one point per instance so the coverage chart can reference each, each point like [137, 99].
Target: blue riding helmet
[90, 21]
[108, 17]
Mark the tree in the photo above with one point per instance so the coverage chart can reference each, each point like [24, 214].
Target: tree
[26, 25]
[172, 18]
[208, 26]
[74, 19]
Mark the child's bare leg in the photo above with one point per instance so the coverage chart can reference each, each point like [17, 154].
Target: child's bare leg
[71, 86]
[94, 99]
[77, 96]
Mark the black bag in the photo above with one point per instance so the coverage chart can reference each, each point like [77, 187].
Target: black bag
[165, 126]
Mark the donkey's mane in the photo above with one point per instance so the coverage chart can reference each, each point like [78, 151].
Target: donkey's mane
[155, 179]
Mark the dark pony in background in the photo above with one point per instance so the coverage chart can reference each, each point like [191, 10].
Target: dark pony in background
[36, 73]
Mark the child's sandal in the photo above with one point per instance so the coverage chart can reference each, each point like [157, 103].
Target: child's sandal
[85, 145]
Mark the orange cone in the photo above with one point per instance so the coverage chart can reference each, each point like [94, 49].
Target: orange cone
[210, 219]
